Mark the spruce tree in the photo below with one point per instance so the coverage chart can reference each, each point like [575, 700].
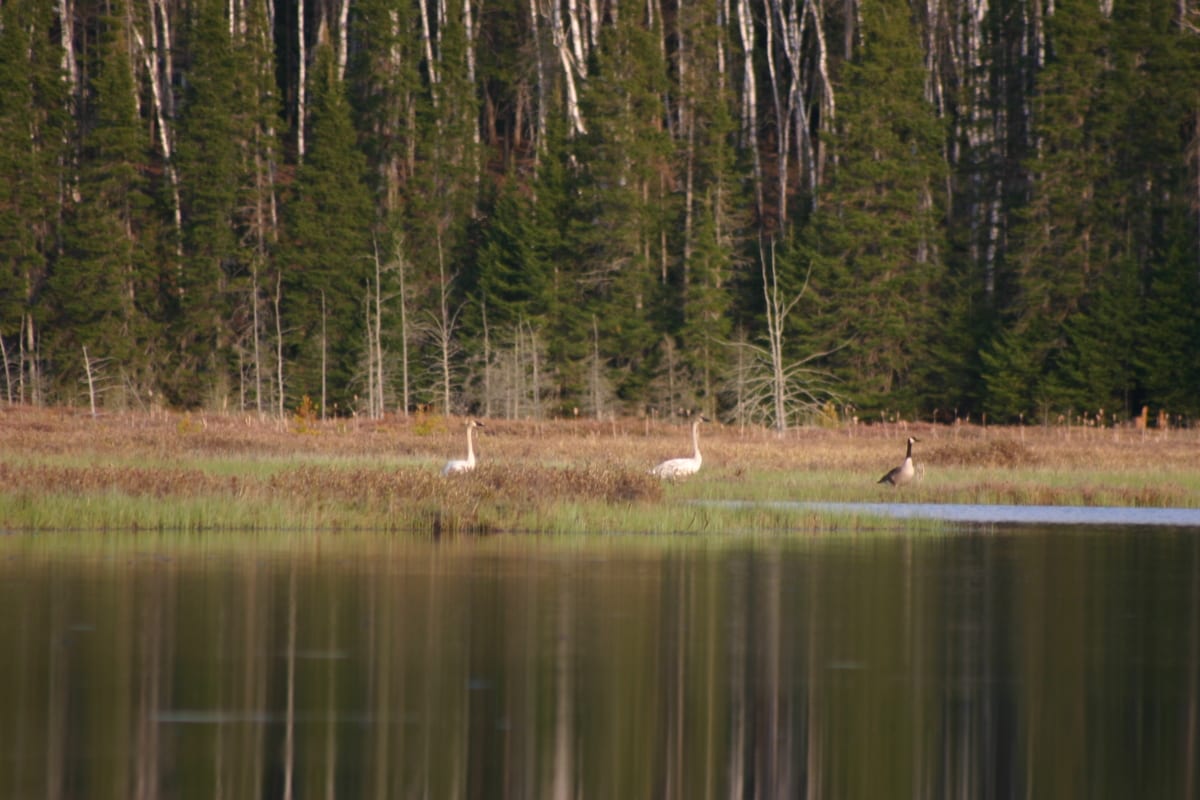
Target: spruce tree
[34, 125]
[626, 153]
[874, 245]
[719, 220]
[106, 281]
[557, 217]
[1058, 237]
[513, 273]
[327, 256]
[211, 131]
[1140, 202]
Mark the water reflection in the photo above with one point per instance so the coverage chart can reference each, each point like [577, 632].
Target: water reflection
[1053, 663]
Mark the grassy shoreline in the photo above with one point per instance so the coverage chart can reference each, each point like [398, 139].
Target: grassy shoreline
[63, 470]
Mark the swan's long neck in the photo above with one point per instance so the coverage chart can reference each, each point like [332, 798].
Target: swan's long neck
[470, 446]
[696, 440]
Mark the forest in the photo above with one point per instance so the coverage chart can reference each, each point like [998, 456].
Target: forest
[776, 212]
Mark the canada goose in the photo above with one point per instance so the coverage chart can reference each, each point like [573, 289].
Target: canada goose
[680, 467]
[464, 465]
[902, 474]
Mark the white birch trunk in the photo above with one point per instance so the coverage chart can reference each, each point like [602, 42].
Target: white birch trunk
[91, 382]
[430, 61]
[782, 116]
[30, 345]
[66, 13]
[279, 341]
[828, 103]
[562, 44]
[8, 392]
[722, 21]
[302, 86]
[402, 266]
[343, 38]
[750, 99]
[150, 59]
[539, 144]
[577, 37]
[258, 405]
[778, 307]
[469, 31]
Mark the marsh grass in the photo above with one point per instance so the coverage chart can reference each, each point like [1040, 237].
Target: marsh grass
[61, 470]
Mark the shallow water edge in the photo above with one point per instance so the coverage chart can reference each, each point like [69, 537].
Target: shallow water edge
[986, 514]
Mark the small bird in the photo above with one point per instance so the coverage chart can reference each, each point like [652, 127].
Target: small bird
[457, 465]
[902, 474]
[681, 467]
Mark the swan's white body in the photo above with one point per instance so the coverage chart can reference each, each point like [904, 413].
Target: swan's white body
[682, 467]
[467, 464]
[898, 476]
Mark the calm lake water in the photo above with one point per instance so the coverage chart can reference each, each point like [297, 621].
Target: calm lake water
[1050, 662]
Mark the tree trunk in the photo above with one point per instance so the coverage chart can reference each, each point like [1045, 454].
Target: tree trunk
[430, 62]
[562, 44]
[87, 367]
[302, 81]
[379, 407]
[445, 323]
[8, 394]
[343, 38]
[279, 340]
[402, 266]
[750, 101]
[539, 143]
[159, 97]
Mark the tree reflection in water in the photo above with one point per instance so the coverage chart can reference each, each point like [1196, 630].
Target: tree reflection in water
[1046, 663]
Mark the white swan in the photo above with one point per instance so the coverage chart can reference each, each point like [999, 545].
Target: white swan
[457, 465]
[898, 476]
[682, 467]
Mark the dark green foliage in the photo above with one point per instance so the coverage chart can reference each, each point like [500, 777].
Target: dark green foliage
[212, 130]
[326, 262]
[989, 215]
[34, 119]
[875, 243]
[622, 197]
[103, 287]
[513, 272]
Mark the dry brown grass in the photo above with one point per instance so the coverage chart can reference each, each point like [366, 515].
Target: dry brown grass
[386, 469]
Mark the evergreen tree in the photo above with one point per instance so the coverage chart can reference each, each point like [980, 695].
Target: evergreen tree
[875, 243]
[211, 132]
[719, 202]
[440, 203]
[1058, 246]
[513, 274]
[384, 82]
[327, 255]
[105, 281]
[34, 126]
[1170, 333]
[1142, 200]
[258, 201]
[564, 230]
[626, 153]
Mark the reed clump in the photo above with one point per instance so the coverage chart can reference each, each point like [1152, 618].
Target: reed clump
[995, 452]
